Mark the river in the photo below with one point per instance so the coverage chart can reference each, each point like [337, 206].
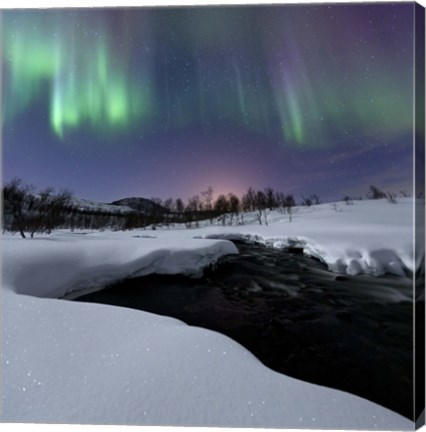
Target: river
[353, 333]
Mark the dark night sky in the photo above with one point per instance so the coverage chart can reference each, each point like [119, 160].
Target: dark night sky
[165, 102]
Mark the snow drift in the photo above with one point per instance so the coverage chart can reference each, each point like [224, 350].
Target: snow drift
[372, 236]
[69, 362]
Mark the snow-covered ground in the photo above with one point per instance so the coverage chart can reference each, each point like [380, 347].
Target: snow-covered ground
[371, 236]
[71, 362]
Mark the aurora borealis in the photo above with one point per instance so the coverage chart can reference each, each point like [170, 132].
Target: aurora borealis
[167, 101]
[85, 84]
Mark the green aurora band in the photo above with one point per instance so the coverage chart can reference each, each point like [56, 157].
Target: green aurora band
[84, 82]
[307, 79]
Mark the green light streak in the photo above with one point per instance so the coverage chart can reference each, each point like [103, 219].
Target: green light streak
[240, 91]
[295, 118]
[89, 83]
[290, 112]
[99, 72]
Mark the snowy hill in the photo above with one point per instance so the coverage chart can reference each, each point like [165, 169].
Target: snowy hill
[88, 205]
[142, 205]
[122, 206]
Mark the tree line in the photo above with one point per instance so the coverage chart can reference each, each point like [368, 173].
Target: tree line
[229, 209]
[27, 211]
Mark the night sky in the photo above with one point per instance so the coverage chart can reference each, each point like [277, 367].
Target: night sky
[168, 101]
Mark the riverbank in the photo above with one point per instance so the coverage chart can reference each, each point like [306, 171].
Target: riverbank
[296, 317]
[69, 362]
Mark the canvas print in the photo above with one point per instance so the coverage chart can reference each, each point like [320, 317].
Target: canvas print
[214, 216]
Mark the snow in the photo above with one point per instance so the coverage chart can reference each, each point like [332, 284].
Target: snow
[372, 236]
[71, 362]
[90, 261]
[83, 204]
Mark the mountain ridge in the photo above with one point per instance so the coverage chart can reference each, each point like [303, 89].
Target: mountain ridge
[143, 205]
[123, 206]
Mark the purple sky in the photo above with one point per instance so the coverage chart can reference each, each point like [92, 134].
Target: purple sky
[166, 102]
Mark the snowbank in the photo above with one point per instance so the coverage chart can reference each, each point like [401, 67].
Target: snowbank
[372, 236]
[71, 362]
[84, 261]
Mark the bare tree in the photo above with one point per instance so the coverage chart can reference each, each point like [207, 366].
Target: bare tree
[194, 203]
[246, 206]
[221, 206]
[249, 200]
[279, 200]
[348, 200]
[15, 198]
[207, 198]
[191, 210]
[207, 202]
[289, 203]
[234, 206]
[60, 203]
[179, 206]
[168, 205]
[306, 201]
[270, 200]
[375, 193]
[26, 210]
[391, 198]
[315, 199]
[311, 200]
[261, 207]
[46, 210]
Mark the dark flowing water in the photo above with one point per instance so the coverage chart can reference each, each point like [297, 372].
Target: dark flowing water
[349, 333]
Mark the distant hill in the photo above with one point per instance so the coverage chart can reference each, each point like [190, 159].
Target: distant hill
[142, 205]
[123, 206]
[86, 205]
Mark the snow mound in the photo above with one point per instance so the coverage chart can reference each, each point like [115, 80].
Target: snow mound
[87, 263]
[71, 362]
